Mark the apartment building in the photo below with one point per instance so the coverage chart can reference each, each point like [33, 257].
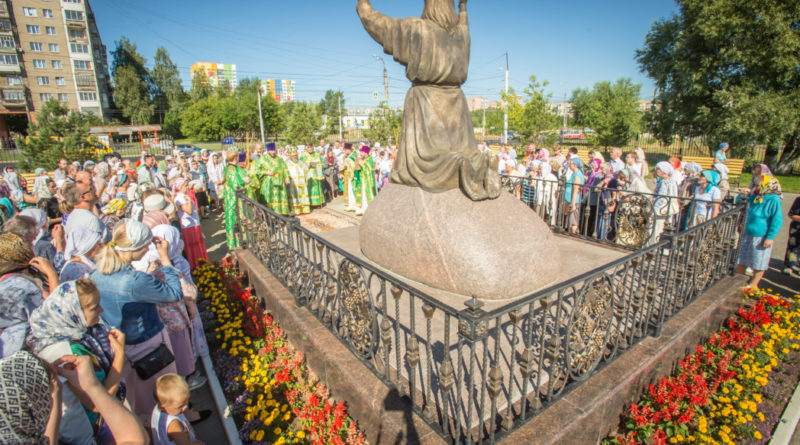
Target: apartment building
[51, 49]
[218, 73]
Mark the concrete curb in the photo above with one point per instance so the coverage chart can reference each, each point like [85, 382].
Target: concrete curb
[788, 423]
[231, 430]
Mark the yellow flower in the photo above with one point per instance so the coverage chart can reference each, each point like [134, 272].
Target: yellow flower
[757, 435]
[301, 434]
[277, 431]
[260, 435]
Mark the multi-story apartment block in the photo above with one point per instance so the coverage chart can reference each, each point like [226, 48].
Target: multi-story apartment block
[219, 74]
[51, 49]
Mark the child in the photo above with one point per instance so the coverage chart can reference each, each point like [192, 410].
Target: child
[168, 423]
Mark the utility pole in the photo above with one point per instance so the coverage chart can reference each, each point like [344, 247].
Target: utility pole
[505, 117]
[385, 79]
[260, 116]
[340, 114]
[483, 132]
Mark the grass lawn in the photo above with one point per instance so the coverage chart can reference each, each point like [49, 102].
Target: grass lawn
[789, 184]
[213, 146]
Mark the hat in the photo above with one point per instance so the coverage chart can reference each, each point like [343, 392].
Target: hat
[723, 145]
[365, 149]
[242, 157]
[270, 146]
[348, 146]
[157, 202]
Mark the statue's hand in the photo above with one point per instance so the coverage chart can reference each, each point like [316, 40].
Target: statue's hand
[462, 5]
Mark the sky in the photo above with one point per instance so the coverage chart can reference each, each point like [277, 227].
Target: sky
[321, 44]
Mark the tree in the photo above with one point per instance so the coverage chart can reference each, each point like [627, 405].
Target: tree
[384, 126]
[201, 120]
[530, 117]
[611, 110]
[728, 70]
[274, 116]
[494, 120]
[131, 83]
[168, 93]
[58, 133]
[200, 86]
[304, 123]
[331, 107]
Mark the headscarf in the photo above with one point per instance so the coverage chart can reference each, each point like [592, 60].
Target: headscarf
[15, 253]
[546, 168]
[155, 218]
[138, 234]
[765, 170]
[133, 192]
[177, 184]
[79, 242]
[712, 177]
[59, 318]
[173, 236]
[595, 163]
[665, 167]
[722, 169]
[25, 400]
[676, 162]
[625, 172]
[769, 186]
[40, 217]
[12, 180]
[102, 169]
[114, 206]
[40, 188]
[5, 189]
[693, 168]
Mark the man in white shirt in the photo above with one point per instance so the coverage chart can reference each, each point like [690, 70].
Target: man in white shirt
[616, 162]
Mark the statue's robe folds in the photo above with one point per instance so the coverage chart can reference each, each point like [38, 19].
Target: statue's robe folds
[437, 150]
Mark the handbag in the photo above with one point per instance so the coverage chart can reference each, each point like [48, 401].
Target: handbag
[199, 342]
[153, 362]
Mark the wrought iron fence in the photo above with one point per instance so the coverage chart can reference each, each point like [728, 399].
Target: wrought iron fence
[620, 215]
[477, 372]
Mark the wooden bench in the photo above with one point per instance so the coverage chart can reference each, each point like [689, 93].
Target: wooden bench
[707, 162]
[30, 178]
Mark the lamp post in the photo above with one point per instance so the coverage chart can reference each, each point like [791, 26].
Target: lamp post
[504, 139]
[385, 78]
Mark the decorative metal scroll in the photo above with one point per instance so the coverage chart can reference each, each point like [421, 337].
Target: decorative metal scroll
[355, 312]
[707, 253]
[634, 220]
[509, 183]
[589, 327]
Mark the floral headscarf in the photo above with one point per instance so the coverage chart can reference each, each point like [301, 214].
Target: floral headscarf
[24, 399]
[769, 186]
[40, 188]
[544, 155]
[59, 318]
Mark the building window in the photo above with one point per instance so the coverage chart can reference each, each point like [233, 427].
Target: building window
[79, 48]
[29, 12]
[77, 33]
[87, 96]
[53, 47]
[7, 42]
[47, 13]
[72, 1]
[50, 30]
[39, 63]
[73, 15]
[60, 81]
[33, 29]
[83, 65]
[5, 25]
[13, 95]
[8, 59]
[56, 64]
[36, 46]
[63, 97]
[15, 80]
[44, 97]
[43, 80]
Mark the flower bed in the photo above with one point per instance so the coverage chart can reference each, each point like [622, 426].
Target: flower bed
[732, 389]
[275, 399]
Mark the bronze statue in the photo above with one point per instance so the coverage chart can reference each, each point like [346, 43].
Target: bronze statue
[438, 150]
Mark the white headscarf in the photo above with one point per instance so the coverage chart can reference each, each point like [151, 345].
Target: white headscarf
[173, 236]
[665, 167]
[79, 242]
[41, 221]
[722, 169]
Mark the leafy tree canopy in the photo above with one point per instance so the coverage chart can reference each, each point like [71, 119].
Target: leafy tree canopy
[611, 110]
[384, 126]
[58, 133]
[529, 116]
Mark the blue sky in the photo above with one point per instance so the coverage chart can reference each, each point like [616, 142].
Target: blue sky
[321, 44]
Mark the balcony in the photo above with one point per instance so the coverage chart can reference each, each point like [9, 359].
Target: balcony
[13, 97]
[10, 68]
[3, 9]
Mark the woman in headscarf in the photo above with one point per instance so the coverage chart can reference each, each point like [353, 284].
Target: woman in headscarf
[641, 161]
[82, 244]
[543, 155]
[176, 316]
[592, 195]
[39, 174]
[632, 165]
[30, 401]
[666, 204]
[68, 323]
[707, 197]
[792, 259]
[686, 192]
[546, 203]
[48, 201]
[21, 289]
[759, 170]
[724, 186]
[572, 192]
[629, 228]
[113, 212]
[764, 220]
[21, 198]
[129, 297]
[7, 208]
[677, 171]
[101, 175]
[192, 232]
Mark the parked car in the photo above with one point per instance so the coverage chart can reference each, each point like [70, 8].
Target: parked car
[188, 149]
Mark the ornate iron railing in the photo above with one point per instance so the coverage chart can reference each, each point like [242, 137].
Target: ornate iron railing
[617, 216]
[477, 372]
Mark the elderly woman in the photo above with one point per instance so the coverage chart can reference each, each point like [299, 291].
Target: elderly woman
[759, 171]
[82, 245]
[724, 186]
[128, 298]
[68, 323]
[30, 400]
[572, 192]
[707, 197]
[592, 195]
[21, 198]
[764, 220]
[666, 204]
[192, 232]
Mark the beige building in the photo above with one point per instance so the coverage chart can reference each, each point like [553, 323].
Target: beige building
[51, 49]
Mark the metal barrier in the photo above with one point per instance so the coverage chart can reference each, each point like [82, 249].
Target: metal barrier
[476, 374]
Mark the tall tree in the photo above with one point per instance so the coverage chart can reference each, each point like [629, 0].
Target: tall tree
[611, 110]
[131, 83]
[168, 93]
[384, 126]
[332, 106]
[304, 124]
[728, 70]
[58, 133]
[202, 120]
[530, 116]
[200, 86]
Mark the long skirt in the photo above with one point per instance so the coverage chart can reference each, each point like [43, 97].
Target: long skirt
[183, 351]
[194, 245]
[140, 392]
[753, 254]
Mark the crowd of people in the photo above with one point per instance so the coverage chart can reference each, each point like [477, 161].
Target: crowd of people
[99, 326]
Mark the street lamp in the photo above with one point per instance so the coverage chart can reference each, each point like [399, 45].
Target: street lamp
[385, 78]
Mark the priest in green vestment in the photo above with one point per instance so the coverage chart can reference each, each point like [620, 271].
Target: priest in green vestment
[235, 178]
[316, 175]
[364, 181]
[348, 180]
[299, 204]
[269, 180]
